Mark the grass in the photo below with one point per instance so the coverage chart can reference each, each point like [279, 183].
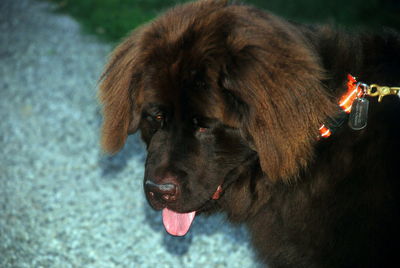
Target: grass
[113, 19]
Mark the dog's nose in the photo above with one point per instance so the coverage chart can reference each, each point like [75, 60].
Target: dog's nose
[168, 192]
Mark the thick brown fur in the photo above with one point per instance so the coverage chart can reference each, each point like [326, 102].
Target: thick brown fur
[229, 95]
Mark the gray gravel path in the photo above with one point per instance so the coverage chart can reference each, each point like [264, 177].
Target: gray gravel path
[63, 203]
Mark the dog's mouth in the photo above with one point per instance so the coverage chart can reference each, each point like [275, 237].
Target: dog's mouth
[178, 224]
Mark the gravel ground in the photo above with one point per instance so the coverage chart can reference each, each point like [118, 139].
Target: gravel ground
[62, 202]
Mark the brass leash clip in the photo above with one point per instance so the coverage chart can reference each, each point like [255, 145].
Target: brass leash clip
[382, 91]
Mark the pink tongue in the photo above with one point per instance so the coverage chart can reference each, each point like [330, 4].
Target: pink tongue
[177, 224]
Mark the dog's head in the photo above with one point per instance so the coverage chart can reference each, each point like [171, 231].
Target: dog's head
[213, 88]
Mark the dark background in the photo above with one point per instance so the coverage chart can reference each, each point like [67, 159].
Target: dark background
[113, 19]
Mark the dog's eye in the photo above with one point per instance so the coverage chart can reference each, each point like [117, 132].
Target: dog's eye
[199, 125]
[159, 117]
[202, 129]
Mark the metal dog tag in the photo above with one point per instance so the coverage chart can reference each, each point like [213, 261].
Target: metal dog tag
[359, 114]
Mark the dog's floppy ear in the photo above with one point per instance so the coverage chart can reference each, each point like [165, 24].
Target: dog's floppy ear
[279, 78]
[284, 119]
[120, 94]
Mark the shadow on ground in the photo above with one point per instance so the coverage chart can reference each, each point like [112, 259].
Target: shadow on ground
[111, 165]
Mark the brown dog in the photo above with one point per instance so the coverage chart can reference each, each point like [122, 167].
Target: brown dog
[230, 101]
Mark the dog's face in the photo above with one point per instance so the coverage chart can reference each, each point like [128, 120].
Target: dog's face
[190, 151]
[209, 85]
[193, 146]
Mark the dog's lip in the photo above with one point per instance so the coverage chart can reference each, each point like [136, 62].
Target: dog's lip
[176, 208]
[172, 206]
[199, 210]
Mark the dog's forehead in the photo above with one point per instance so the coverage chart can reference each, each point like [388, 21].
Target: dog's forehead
[183, 92]
[183, 68]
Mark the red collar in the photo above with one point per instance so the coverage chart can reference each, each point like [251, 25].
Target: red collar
[346, 101]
